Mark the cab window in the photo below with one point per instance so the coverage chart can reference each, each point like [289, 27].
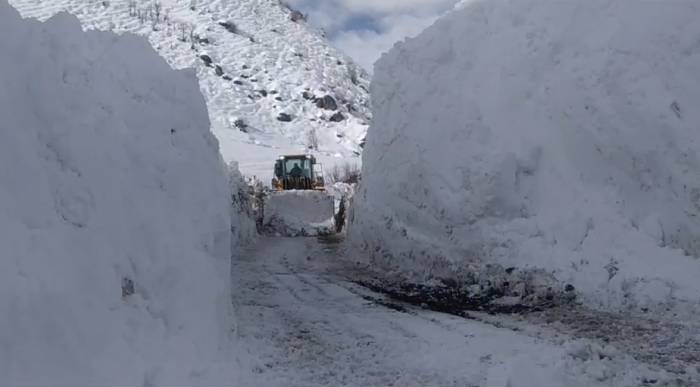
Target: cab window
[303, 164]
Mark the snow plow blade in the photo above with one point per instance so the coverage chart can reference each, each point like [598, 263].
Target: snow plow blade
[299, 213]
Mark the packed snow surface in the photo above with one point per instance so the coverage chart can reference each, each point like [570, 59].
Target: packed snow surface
[553, 137]
[273, 85]
[305, 323]
[114, 215]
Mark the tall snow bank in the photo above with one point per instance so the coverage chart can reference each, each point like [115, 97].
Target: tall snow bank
[243, 228]
[114, 214]
[555, 137]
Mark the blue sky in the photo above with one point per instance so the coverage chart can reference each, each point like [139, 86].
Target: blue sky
[366, 28]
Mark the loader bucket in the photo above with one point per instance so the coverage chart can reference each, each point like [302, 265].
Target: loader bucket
[299, 213]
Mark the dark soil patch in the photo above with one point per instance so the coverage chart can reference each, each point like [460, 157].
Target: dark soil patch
[449, 299]
[385, 303]
[330, 239]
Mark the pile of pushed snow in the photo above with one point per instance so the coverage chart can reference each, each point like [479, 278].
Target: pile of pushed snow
[299, 213]
[114, 214]
[556, 137]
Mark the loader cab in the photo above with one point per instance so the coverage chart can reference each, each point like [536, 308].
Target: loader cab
[298, 172]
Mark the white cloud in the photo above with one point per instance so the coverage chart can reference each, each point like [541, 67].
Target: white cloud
[366, 28]
[366, 46]
[395, 6]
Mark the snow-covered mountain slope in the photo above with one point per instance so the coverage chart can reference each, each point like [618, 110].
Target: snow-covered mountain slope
[258, 69]
[114, 215]
[551, 137]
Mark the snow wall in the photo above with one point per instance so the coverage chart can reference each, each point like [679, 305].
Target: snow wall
[558, 138]
[114, 215]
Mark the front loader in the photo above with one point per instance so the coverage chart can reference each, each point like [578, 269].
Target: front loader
[298, 204]
[298, 172]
